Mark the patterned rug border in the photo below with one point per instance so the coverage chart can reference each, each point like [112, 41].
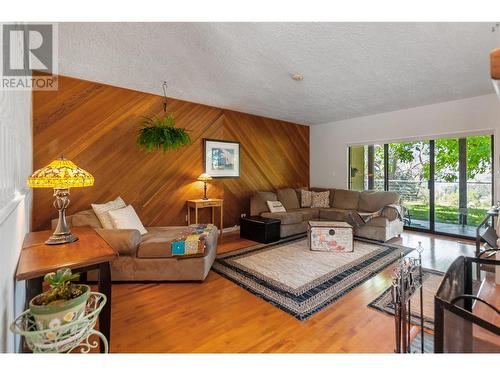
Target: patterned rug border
[414, 317]
[303, 316]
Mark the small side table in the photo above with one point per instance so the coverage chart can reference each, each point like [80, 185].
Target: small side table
[88, 253]
[212, 203]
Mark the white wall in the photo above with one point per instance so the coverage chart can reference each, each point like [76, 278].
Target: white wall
[330, 142]
[15, 203]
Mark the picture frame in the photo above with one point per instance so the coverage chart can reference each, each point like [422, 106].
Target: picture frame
[221, 158]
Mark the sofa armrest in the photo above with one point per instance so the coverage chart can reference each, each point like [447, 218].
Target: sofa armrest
[392, 212]
[124, 241]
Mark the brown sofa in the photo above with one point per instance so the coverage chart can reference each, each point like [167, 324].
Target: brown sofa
[342, 205]
[148, 257]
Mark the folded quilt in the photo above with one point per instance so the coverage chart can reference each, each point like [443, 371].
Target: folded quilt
[191, 242]
[357, 219]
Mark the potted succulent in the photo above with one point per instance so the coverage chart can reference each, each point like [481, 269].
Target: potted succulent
[62, 303]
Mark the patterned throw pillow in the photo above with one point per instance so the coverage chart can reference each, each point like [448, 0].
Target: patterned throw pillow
[320, 199]
[102, 211]
[305, 198]
[275, 206]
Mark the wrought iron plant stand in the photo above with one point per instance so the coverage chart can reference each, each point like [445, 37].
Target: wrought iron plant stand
[66, 338]
[406, 280]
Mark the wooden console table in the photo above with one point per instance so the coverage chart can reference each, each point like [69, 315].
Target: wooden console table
[196, 204]
[88, 253]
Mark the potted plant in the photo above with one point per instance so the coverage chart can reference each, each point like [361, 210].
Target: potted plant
[161, 134]
[62, 303]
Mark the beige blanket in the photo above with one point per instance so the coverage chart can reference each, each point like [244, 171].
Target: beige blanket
[358, 219]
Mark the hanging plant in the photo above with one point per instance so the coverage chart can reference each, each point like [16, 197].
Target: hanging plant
[161, 133]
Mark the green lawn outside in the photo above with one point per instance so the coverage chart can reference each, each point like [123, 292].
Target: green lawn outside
[446, 214]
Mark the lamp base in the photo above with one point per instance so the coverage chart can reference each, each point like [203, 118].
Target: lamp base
[62, 234]
[58, 239]
[205, 198]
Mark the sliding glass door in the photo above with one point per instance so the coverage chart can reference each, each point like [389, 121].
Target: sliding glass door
[463, 184]
[450, 209]
[445, 184]
[408, 174]
[479, 174]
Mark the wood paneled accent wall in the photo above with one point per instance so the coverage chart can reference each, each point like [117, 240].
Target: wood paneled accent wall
[95, 126]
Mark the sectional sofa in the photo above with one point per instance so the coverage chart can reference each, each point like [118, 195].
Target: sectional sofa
[380, 210]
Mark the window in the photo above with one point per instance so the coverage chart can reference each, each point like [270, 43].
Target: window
[366, 167]
[445, 184]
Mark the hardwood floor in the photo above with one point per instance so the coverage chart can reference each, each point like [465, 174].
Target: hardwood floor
[218, 316]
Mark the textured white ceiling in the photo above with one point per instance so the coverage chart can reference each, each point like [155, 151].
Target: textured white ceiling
[350, 69]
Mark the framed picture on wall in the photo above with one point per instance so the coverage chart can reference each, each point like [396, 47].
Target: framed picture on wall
[222, 158]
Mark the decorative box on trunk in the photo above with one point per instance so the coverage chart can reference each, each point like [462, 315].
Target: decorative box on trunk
[333, 236]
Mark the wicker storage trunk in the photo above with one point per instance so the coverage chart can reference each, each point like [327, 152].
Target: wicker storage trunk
[333, 236]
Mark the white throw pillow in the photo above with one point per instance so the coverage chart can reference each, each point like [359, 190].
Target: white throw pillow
[101, 211]
[275, 206]
[126, 218]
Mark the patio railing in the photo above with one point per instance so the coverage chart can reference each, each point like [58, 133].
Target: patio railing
[478, 192]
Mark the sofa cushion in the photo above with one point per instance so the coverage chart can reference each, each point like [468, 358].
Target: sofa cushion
[320, 199]
[380, 233]
[333, 214]
[289, 198]
[346, 199]
[308, 213]
[258, 202]
[332, 193]
[124, 241]
[372, 201]
[157, 242]
[293, 229]
[285, 217]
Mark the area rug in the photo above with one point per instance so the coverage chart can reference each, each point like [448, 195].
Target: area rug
[432, 279]
[303, 282]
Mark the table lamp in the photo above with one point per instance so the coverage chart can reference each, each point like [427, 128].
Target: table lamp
[204, 178]
[61, 175]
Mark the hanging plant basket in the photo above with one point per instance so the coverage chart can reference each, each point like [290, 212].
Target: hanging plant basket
[161, 134]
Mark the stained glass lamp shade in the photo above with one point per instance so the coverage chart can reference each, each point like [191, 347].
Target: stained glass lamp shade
[61, 175]
[204, 178]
